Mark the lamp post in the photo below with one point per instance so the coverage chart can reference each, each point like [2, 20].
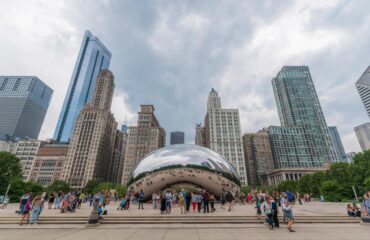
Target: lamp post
[94, 216]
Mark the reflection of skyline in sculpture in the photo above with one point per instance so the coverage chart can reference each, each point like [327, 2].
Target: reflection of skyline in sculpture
[184, 163]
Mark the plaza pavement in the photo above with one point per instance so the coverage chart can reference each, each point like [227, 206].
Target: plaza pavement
[186, 231]
[310, 209]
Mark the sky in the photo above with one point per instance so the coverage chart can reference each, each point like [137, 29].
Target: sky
[171, 53]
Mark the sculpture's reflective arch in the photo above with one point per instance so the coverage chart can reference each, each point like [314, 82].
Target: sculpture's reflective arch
[184, 163]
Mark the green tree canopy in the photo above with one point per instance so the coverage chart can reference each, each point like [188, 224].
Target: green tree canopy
[20, 187]
[10, 168]
[58, 186]
[91, 187]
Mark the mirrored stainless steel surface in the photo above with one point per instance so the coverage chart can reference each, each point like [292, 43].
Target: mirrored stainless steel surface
[184, 163]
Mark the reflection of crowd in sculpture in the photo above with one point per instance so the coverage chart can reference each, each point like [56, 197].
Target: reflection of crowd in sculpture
[184, 175]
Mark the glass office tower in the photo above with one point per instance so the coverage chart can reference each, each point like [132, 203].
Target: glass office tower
[299, 106]
[92, 57]
[24, 101]
[337, 141]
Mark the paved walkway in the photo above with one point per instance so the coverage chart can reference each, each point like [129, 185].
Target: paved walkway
[310, 209]
[314, 232]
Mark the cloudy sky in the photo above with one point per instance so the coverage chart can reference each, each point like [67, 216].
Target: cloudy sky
[171, 53]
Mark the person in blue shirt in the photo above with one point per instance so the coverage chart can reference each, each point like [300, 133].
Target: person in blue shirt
[141, 199]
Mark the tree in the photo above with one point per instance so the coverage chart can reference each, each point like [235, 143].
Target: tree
[91, 186]
[121, 190]
[304, 184]
[20, 187]
[367, 183]
[246, 189]
[10, 168]
[288, 185]
[333, 191]
[58, 186]
[105, 186]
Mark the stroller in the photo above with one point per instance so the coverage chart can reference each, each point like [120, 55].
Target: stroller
[72, 205]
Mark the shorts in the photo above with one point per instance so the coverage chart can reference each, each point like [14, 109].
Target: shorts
[289, 215]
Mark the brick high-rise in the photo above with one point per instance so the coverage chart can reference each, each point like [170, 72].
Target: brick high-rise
[142, 139]
[91, 148]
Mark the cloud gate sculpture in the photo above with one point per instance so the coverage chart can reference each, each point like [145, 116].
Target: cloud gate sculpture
[184, 163]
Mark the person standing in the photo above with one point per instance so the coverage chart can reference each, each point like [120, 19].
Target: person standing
[194, 200]
[212, 201]
[206, 202]
[182, 203]
[169, 199]
[229, 199]
[188, 197]
[5, 202]
[199, 201]
[154, 200]
[128, 199]
[275, 211]
[141, 199]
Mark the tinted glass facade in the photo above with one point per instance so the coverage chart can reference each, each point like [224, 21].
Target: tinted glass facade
[304, 128]
[177, 138]
[339, 149]
[92, 57]
[24, 101]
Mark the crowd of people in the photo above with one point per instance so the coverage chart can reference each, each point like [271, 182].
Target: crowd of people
[268, 205]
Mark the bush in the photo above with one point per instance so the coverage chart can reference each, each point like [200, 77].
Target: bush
[91, 187]
[19, 187]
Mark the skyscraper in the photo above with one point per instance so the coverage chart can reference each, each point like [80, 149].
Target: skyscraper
[91, 148]
[200, 135]
[116, 168]
[92, 58]
[339, 149]
[299, 106]
[142, 139]
[24, 101]
[177, 138]
[258, 157]
[222, 133]
[363, 135]
[363, 88]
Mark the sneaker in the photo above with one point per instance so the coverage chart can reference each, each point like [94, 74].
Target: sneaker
[291, 230]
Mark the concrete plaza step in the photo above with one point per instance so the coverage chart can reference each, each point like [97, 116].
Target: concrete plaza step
[178, 219]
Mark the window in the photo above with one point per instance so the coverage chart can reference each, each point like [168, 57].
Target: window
[16, 85]
[3, 85]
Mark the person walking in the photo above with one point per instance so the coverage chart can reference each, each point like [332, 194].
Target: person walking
[51, 200]
[289, 215]
[169, 199]
[284, 199]
[5, 202]
[26, 211]
[141, 199]
[128, 199]
[36, 209]
[188, 196]
[205, 202]
[267, 209]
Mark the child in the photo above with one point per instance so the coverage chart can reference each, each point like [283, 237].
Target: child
[122, 204]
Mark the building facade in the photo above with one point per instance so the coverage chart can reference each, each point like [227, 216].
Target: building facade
[142, 139]
[92, 58]
[7, 143]
[222, 133]
[298, 106]
[200, 135]
[177, 138]
[258, 157]
[339, 149]
[363, 88]
[48, 163]
[92, 145]
[116, 169]
[26, 151]
[24, 101]
[363, 135]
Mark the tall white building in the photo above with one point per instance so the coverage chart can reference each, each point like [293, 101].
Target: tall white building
[26, 150]
[363, 135]
[222, 133]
